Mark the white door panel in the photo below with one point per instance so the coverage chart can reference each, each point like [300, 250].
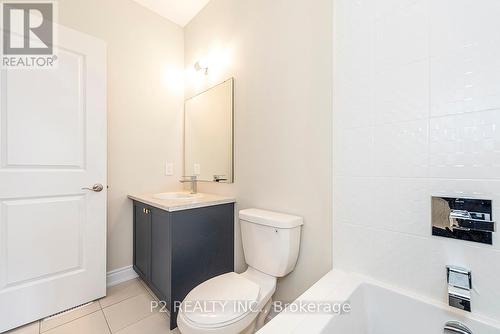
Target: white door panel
[33, 222]
[36, 139]
[53, 143]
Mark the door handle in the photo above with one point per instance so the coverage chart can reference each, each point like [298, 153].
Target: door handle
[96, 188]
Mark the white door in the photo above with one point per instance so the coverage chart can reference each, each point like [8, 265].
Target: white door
[52, 144]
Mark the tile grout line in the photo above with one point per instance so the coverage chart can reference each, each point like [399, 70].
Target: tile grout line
[73, 320]
[101, 308]
[151, 293]
[106, 319]
[142, 293]
[66, 323]
[421, 237]
[148, 290]
[140, 283]
[134, 323]
[146, 293]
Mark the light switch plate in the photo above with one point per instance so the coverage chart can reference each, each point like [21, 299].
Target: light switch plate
[169, 168]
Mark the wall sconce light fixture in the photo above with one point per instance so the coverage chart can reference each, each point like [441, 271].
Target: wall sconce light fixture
[198, 67]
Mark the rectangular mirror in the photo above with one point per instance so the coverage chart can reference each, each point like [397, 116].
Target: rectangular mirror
[208, 134]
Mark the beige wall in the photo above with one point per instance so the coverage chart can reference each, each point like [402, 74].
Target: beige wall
[144, 108]
[280, 54]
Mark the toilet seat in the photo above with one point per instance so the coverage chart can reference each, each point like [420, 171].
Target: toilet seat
[251, 285]
[221, 301]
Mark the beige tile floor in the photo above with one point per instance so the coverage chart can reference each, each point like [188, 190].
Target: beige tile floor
[125, 310]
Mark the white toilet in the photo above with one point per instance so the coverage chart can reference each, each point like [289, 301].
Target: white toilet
[239, 303]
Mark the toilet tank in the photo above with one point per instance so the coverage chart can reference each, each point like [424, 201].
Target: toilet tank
[271, 240]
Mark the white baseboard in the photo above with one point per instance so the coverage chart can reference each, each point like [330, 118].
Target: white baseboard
[120, 275]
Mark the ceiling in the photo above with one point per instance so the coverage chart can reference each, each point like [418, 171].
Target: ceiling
[178, 11]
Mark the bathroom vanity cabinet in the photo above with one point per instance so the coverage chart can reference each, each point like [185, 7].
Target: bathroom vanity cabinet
[175, 251]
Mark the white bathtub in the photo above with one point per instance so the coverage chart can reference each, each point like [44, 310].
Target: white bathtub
[375, 309]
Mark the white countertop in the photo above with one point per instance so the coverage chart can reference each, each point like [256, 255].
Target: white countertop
[171, 205]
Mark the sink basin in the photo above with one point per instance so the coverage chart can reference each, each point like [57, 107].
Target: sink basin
[178, 196]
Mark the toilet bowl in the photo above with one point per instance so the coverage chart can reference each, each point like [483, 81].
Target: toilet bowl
[235, 303]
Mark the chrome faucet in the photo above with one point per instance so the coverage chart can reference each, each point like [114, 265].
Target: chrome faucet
[459, 287]
[193, 180]
[456, 327]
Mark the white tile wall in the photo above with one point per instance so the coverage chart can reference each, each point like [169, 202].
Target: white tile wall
[416, 263]
[402, 35]
[466, 146]
[465, 63]
[400, 149]
[399, 99]
[417, 113]
[354, 151]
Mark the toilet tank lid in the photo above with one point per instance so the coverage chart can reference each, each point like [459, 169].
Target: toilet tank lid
[269, 218]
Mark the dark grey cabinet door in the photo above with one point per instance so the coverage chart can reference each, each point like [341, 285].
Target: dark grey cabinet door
[142, 240]
[202, 246]
[161, 254]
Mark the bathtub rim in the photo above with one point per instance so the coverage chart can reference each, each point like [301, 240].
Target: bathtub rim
[338, 285]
